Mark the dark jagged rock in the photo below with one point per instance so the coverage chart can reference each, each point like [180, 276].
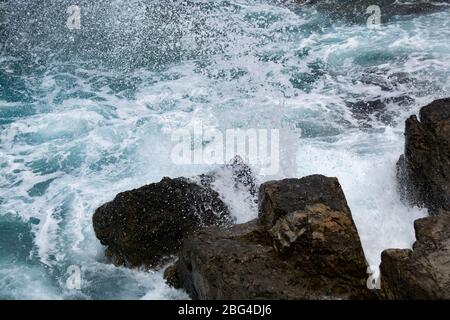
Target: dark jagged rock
[309, 249]
[142, 226]
[424, 179]
[146, 225]
[424, 272]
[423, 171]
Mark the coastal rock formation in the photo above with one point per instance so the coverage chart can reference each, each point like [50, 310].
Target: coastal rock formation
[146, 225]
[303, 246]
[424, 272]
[142, 226]
[423, 171]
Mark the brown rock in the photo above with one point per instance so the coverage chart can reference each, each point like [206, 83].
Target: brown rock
[322, 241]
[306, 250]
[424, 272]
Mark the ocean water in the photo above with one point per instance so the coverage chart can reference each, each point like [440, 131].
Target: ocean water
[86, 113]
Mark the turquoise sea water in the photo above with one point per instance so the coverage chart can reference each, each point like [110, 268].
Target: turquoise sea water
[85, 114]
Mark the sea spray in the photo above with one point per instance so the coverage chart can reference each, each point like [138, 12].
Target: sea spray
[87, 113]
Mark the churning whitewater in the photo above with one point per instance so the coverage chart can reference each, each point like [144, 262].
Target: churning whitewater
[87, 113]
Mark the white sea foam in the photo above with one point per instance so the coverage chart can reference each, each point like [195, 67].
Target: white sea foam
[97, 131]
[365, 167]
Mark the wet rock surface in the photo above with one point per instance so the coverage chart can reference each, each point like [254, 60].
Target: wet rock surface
[303, 246]
[423, 171]
[142, 226]
[146, 226]
[424, 272]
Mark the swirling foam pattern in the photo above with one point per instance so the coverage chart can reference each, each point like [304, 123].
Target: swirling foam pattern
[85, 114]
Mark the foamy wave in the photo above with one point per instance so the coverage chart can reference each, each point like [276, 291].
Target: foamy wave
[75, 133]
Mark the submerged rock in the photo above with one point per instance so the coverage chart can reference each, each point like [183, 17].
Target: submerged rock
[423, 171]
[424, 272]
[356, 10]
[304, 246]
[367, 112]
[146, 225]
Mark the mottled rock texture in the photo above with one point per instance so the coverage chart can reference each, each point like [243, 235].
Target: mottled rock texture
[304, 246]
[424, 272]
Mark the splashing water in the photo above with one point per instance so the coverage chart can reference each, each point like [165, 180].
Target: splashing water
[85, 114]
